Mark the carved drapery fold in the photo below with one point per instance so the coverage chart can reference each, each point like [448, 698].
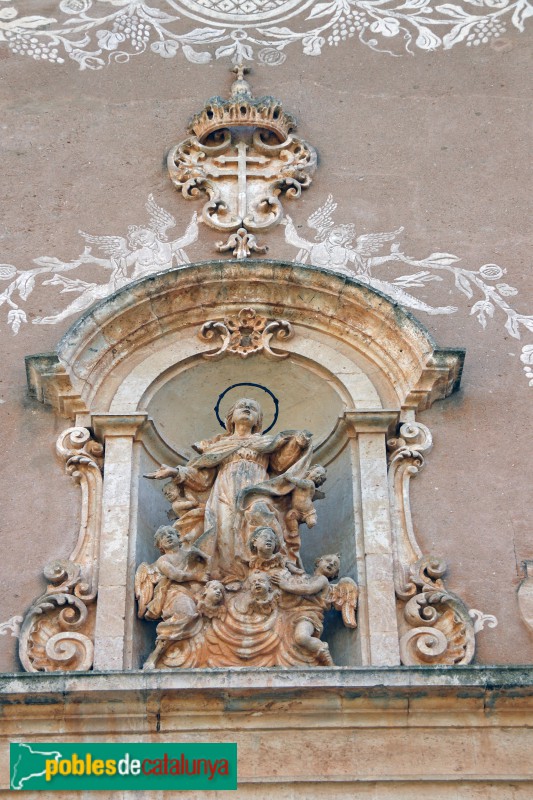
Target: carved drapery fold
[57, 631]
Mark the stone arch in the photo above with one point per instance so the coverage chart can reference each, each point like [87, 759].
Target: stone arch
[357, 354]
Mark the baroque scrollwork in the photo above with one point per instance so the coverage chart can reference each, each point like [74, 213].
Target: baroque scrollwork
[57, 631]
[440, 628]
[246, 334]
[243, 156]
[406, 458]
[229, 587]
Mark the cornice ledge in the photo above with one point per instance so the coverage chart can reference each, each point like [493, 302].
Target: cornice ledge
[510, 681]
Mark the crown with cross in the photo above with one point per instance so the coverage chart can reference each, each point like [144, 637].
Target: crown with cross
[243, 110]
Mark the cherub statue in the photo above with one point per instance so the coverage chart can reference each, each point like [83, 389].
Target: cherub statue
[185, 503]
[318, 595]
[302, 509]
[259, 595]
[264, 545]
[211, 600]
[146, 250]
[166, 590]
[334, 249]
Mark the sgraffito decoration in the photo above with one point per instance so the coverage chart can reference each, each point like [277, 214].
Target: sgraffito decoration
[337, 247]
[242, 157]
[96, 33]
[145, 250]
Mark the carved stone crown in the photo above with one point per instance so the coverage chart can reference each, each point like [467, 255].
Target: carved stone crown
[241, 109]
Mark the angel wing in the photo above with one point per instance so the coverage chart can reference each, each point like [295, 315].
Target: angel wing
[145, 579]
[343, 596]
[321, 219]
[114, 246]
[369, 243]
[160, 220]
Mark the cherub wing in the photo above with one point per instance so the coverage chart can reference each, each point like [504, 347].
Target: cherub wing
[114, 246]
[160, 220]
[321, 219]
[145, 579]
[343, 596]
[369, 243]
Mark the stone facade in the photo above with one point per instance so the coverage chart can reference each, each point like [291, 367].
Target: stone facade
[132, 337]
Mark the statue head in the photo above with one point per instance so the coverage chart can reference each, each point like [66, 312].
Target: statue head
[317, 474]
[171, 491]
[264, 542]
[167, 538]
[245, 410]
[213, 594]
[259, 585]
[328, 565]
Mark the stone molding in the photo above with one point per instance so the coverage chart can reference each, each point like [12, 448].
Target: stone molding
[475, 722]
[119, 328]
[110, 363]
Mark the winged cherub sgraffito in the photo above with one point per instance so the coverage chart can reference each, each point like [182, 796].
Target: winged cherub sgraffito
[229, 587]
[334, 248]
[145, 250]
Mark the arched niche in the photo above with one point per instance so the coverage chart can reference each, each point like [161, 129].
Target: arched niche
[139, 375]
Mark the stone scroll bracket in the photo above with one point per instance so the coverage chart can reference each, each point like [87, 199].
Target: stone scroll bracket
[435, 625]
[57, 632]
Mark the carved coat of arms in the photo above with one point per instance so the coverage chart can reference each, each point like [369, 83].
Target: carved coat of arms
[243, 156]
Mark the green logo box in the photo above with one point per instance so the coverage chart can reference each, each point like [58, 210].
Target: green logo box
[83, 766]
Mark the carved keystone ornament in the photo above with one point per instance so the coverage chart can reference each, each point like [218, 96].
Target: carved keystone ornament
[246, 334]
[243, 156]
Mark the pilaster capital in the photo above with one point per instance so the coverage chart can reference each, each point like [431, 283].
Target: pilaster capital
[378, 420]
[106, 426]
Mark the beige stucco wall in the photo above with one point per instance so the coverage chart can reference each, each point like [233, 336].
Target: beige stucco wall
[436, 142]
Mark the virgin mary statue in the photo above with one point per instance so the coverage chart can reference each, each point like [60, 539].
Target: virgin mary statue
[227, 469]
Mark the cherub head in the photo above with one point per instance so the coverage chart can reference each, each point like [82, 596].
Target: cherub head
[245, 410]
[171, 492]
[328, 565]
[167, 539]
[259, 585]
[341, 234]
[264, 542]
[211, 600]
[317, 474]
[213, 594]
[140, 237]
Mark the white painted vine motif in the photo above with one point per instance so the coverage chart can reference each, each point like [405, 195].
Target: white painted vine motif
[334, 248]
[95, 33]
[145, 250]
[13, 624]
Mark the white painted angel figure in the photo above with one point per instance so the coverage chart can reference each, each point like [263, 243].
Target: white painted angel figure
[334, 249]
[146, 250]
